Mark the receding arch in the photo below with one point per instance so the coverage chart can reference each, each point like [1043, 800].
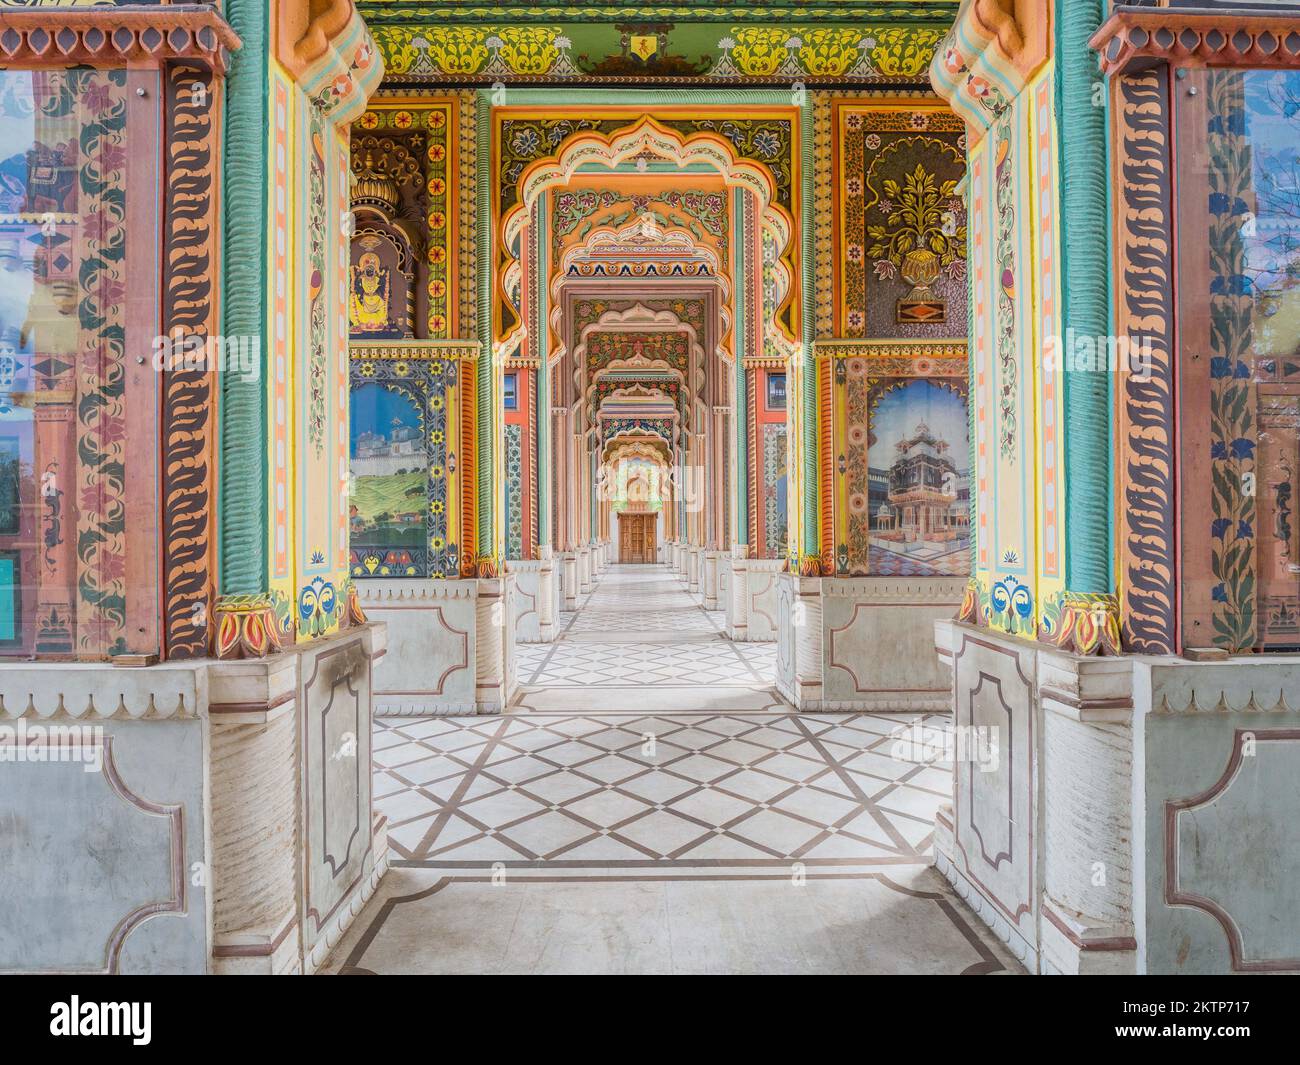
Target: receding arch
[643, 138]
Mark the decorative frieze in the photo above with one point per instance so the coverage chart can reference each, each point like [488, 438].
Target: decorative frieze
[39, 37]
[90, 691]
[1134, 38]
[1240, 686]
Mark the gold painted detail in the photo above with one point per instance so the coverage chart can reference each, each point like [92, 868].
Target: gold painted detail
[463, 350]
[748, 51]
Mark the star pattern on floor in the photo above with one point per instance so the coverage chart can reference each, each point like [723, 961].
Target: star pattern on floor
[651, 805]
[618, 788]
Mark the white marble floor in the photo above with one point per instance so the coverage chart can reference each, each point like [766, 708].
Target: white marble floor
[610, 833]
[640, 630]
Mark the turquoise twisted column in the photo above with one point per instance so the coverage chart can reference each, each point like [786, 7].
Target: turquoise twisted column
[1085, 278]
[241, 489]
[485, 410]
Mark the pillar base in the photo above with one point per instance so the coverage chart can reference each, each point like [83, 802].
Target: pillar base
[676, 558]
[569, 580]
[1136, 811]
[452, 645]
[750, 598]
[534, 598]
[709, 578]
[860, 643]
[585, 584]
[217, 817]
[694, 568]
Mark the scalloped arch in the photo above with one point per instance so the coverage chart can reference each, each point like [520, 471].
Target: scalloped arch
[644, 135]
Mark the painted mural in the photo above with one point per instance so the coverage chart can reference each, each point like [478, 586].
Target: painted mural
[514, 465]
[917, 505]
[389, 463]
[902, 233]
[1242, 405]
[775, 490]
[407, 166]
[379, 287]
[903, 484]
[417, 47]
[399, 452]
[67, 568]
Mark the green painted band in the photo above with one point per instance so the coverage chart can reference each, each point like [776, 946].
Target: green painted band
[242, 496]
[1086, 309]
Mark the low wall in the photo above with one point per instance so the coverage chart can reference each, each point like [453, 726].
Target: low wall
[1143, 812]
[451, 644]
[862, 643]
[188, 818]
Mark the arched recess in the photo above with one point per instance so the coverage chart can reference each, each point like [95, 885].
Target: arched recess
[665, 133]
[635, 479]
[644, 140]
[638, 339]
[665, 338]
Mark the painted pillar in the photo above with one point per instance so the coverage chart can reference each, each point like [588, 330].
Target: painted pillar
[243, 497]
[740, 394]
[1085, 310]
[740, 478]
[283, 503]
[738, 588]
[810, 526]
[487, 549]
[542, 353]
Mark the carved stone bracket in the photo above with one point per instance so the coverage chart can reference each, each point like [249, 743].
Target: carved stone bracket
[247, 627]
[46, 37]
[989, 56]
[327, 48]
[1089, 624]
[1134, 38]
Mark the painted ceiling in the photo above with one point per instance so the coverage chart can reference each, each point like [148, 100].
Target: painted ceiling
[378, 11]
[611, 43]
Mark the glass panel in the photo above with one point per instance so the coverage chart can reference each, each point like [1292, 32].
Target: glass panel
[387, 497]
[776, 391]
[1238, 172]
[64, 159]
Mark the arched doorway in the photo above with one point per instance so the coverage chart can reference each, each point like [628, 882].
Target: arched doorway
[641, 270]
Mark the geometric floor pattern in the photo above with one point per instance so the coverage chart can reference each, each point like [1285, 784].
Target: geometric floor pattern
[650, 805]
[641, 628]
[757, 788]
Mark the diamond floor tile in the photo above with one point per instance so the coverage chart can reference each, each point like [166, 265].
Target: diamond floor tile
[648, 807]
